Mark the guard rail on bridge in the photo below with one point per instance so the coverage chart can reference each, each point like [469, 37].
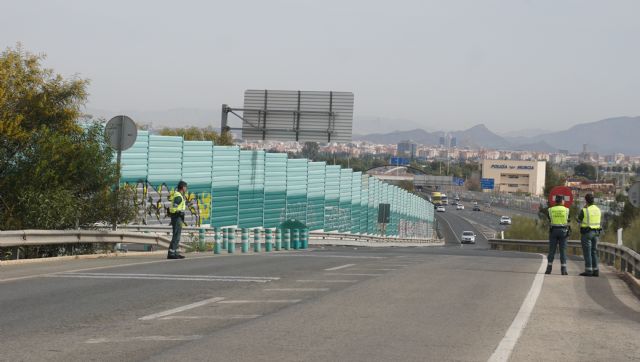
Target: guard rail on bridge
[53, 237]
[158, 236]
[618, 256]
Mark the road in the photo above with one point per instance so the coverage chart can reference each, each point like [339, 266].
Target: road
[327, 303]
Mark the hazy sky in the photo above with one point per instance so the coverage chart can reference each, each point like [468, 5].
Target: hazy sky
[510, 64]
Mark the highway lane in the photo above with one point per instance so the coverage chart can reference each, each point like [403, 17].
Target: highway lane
[328, 303]
[323, 304]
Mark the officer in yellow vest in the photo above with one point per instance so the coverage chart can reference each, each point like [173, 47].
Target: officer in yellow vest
[177, 209]
[558, 232]
[590, 228]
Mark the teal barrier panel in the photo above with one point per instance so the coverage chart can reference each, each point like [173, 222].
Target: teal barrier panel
[224, 186]
[356, 195]
[332, 198]
[364, 205]
[248, 189]
[251, 189]
[316, 195]
[297, 189]
[275, 189]
[196, 171]
[135, 160]
[346, 180]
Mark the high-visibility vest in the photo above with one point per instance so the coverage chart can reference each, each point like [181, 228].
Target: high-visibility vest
[559, 215]
[591, 217]
[181, 207]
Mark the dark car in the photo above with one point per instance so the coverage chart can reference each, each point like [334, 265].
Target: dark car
[476, 208]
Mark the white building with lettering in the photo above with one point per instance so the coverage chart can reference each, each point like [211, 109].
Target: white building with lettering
[515, 176]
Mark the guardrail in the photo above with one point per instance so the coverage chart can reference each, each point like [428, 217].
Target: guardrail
[52, 237]
[312, 235]
[159, 236]
[618, 256]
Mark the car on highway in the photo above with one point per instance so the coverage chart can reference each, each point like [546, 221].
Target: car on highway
[476, 207]
[459, 207]
[505, 220]
[440, 208]
[468, 237]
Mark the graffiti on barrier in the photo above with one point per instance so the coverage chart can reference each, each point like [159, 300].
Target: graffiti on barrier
[153, 203]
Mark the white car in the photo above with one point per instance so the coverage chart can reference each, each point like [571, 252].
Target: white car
[460, 207]
[505, 220]
[468, 237]
[440, 208]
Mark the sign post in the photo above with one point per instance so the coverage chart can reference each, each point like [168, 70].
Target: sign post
[120, 133]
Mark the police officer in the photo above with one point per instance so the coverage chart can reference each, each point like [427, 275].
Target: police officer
[558, 232]
[590, 228]
[178, 206]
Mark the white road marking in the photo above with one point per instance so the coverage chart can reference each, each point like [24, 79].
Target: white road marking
[154, 278]
[331, 256]
[181, 309]
[191, 317]
[508, 343]
[340, 267]
[99, 268]
[143, 338]
[396, 265]
[355, 274]
[297, 290]
[260, 301]
[172, 275]
[370, 269]
[325, 281]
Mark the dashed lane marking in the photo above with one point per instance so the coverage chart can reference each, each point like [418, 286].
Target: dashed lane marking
[221, 317]
[181, 309]
[356, 274]
[297, 290]
[143, 338]
[325, 281]
[340, 267]
[260, 301]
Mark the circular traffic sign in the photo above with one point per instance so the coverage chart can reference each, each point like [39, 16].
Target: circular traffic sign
[121, 133]
[634, 194]
[563, 191]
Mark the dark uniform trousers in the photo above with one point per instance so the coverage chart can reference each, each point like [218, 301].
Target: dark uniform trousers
[176, 224]
[558, 236]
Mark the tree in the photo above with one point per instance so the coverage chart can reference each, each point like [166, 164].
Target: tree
[199, 134]
[310, 150]
[552, 179]
[56, 172]
[585, 170]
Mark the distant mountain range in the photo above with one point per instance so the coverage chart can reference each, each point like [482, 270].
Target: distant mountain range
[607, 136]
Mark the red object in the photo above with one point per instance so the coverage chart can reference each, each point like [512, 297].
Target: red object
[563, 191]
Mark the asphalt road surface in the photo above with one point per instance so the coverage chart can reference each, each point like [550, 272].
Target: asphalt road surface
[446, 303]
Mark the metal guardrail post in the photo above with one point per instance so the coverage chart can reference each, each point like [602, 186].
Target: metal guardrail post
[231, 246]
[244, 238]
[267, 240]
[278, 239]
[295, 239]
[304, 239]
[225, 238]
[216, 241]
[286, 236]
[201, 236]
[256, 240]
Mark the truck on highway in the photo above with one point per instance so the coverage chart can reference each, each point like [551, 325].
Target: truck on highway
[436, 198]
[444, 199]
